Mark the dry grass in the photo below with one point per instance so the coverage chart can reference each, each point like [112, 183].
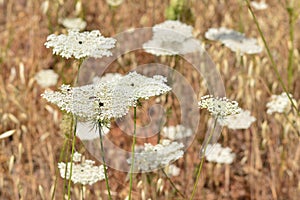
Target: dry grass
[268, 154]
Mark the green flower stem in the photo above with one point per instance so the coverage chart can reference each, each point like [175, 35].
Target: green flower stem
[56, 171]
[103, 159]
[292, 20]
[132, 158]
[199, 169]
[173, 185]
[72, 154]
[273, 64]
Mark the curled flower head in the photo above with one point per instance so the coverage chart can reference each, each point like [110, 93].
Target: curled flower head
[219, 107]
[80, 45]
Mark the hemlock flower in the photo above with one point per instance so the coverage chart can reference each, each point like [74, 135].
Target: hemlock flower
[218, 154]
[280, 103]
[219, 106]
[172, 38]
[176, 132]
[156, 156]
[242, 120]
[73, 23]
[104, 100]
[80, 45]
[234, 40]
[46, 78]
[82, 172]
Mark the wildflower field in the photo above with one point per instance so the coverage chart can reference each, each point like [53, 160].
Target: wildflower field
[128, 99]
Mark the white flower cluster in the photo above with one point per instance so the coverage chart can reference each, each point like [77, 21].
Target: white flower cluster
[259, 5]
[172, 38]
[82, 172]
[46, 78]
[80, 45]
[280, 103]
[73, 23]
[218, 154]
[234, 40]
[219, 107]
[114, 3]
[172, 170]
[156, 156]
[176, 132]
[242, 120]
[107, 99]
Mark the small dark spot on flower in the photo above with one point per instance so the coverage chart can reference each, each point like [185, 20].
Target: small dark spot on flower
[101, 104]
[80, 42]
[132, 84]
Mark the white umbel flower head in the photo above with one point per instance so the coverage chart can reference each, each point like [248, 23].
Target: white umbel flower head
[242, 120]
[176, 132]
[46, 78]
[73, 23]
[172, 38]
[221, 34]
[82, 172]
[245, 46]
[144, 87]
[218, 154]
[105, 100]
[219, 107]
[156, 156]
[80, 45]
[280, 103]
[234, 40]
[172, 30]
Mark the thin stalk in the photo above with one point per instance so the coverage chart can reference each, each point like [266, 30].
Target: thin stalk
[199, 169]
[56, 171]
[72, 154]
[132, 150]
[291, 13]
[273, 64]
[173, 185]
[103, 159]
